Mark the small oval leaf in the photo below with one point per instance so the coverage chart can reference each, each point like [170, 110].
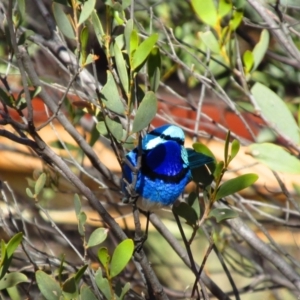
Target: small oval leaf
[81, 223]
[69, 288]
[99, 32]
[104, 257]
[224, 8]
[62, 21]
[201, 148]
[101, 127]
[276, 112]
[127, 35]
[115, 128]
[207, 11]
[49, 288]
[13, 244]
[261, 48]
[110, 95]
[222, 214]
[86, 10]
[86, 293]
[121, 257]
[77, 204]
[143, 51]
[121, 67]
[235, 148]
[154, 66]
[210, 41]
[40, 183]
[12, 279]
[234, 185]
[97, 237]
[145, 113]
[236, 20]
[103, 284]
[275, 157]
[134, 43]
[248, 60]
[29, 193]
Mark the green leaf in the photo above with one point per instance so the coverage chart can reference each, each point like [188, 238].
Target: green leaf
[221, 214]
[13, 244]
[103, 284]
[125, 4]
[186, 212]
[110, 95]
[207, 11]
[266, 135]
[84, 37]
[134, 43]
[127, 36]
[86, 293]
[226, 148]
[63, 21]
[145, 113]
[276, 112]
[79, 274]
[22, 8]
[69, 288]
[115, 128]
[224, 8]
[97, 237]
[29, 193]
[49, 288]
[143, 51]
[99, 32]
[81, 223]
[235, 148]
[101, 127]
[6, 98]
[21, 103]
[210, 41]
[219, 168]
[77, 204]
[40, 183]
[125, 289]
[121, 67]
[12, 279]
[24, 36]
[119, 18]
[104, 257]
[201, 148]
[234, 185]
[154, 66]
[236, 20]
[261, 48]
[119, 40]
[121, 257]
[275, 157]
[86, 10]
[248, 60]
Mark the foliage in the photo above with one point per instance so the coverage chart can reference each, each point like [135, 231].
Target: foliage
[104, 72]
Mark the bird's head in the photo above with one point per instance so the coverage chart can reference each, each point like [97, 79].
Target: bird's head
[161, 135]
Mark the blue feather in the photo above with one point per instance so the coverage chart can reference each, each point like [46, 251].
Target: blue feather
[165, 167]
[197, 160]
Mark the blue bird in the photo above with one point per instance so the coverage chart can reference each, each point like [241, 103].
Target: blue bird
[165, 167]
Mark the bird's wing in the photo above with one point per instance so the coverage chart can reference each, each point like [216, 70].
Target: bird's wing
[198, 159]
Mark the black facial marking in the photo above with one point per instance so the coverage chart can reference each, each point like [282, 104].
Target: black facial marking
[167, 137]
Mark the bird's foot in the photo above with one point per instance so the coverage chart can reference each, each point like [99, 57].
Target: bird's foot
[139, 242]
